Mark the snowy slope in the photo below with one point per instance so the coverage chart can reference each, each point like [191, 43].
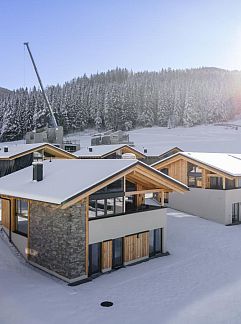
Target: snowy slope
[157, 140]
[200, 282]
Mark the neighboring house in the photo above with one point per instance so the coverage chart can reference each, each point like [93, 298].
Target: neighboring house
[110, 137]
[52, 136]
[215, 184]
[148, 156]
[108, 152]
[158, 153]
[78, 218]
[17, 157]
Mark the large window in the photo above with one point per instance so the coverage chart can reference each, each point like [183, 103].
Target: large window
[116, 186]
[194, 176]
[117, 253]
[108, 201]
[106, 207]
[155, 241]
[236, 213]
[229, 184]
[94, 258]
[22, 217]
[131, 204]
[239, 183]
[216, 183]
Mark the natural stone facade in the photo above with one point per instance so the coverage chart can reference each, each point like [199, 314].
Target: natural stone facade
[57, 239]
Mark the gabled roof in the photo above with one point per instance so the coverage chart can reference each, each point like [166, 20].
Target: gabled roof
[229, 164]
[17, 150]
[65, 180]
[100, 151]
[157, 150]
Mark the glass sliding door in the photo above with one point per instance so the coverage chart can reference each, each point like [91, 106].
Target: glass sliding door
[155, 241]
[21, 219]
[117, 253]
[94, 258]
[158, 240]
[236, 213]
[151, 243]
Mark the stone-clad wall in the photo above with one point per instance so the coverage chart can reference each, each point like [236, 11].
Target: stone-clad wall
[57, 238]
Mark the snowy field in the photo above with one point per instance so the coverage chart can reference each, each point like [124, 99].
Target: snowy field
[200, 282]
[203, 138]
[208, 138]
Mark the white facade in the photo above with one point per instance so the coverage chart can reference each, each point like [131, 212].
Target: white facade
[211, 204]
[119, 226]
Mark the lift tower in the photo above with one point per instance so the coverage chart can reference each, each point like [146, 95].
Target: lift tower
[54, 123]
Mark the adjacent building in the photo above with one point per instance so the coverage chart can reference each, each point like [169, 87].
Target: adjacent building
[109, 152]
[79, 218]
[214, 180]
[110, 137]
[19, 156]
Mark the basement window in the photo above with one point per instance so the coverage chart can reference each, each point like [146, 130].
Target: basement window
[21, 217]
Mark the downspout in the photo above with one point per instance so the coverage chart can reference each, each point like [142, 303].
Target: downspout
[10, 218]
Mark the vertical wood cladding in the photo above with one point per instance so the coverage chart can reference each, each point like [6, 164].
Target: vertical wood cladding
[136, 246]
[5, 213]
[106, 255]
[178, 170]
[57, 238]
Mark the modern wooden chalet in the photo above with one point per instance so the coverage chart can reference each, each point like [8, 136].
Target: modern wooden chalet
[108, 152]
[117, 151]
[214, 180]
[16, 157]
[79, 218]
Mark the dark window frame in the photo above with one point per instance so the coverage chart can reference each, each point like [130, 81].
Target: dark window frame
[90, 265]
[194, 174]
[155, 251]
[94, 201]
[122, 252]
[19, 213]
[216, 183]
[236, 211]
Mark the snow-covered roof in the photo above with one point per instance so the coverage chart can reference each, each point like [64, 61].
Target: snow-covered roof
[19, 149]
[155, 150]
[65, 179]
[102, 150]
[225, 162]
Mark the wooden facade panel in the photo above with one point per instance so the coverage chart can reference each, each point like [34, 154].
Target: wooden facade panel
[140, 197]
[174, 162]
[5, 213]
[178, 170]
[106, 259]
[136, 246]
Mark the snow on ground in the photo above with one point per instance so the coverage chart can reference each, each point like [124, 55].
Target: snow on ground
[200, 282]
[206, 138]
[203, 138]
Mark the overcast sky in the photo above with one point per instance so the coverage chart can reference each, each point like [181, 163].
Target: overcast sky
[71, 37]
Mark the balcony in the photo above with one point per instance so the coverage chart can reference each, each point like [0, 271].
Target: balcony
[144, 219]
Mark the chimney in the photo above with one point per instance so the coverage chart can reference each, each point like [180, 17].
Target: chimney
[145, 150]
[5, 149]
[90, 149]
[37, 171]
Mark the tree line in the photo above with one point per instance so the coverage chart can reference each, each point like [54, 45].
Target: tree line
[122, 99]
